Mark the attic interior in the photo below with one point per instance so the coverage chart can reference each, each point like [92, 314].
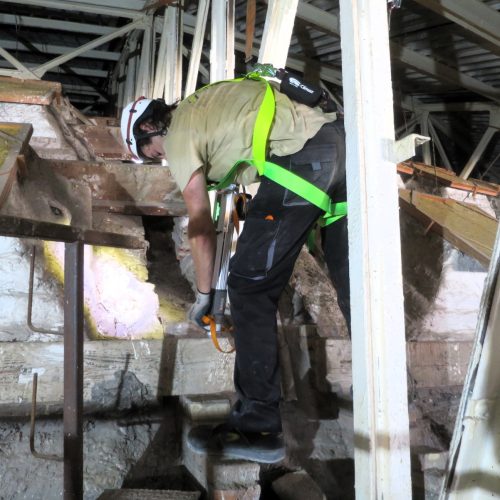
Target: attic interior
[67, 69]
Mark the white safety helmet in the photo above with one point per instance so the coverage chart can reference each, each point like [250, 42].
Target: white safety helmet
[130, 114]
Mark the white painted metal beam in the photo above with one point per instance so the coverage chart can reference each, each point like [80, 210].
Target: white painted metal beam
[473, 15]
[21, 68]
[439, 145]
[55, 24]
[407, 57]
[80, 7]
[478, 152]
[460, 106]
[195, 56]
[442, 72]
[319, 18]
[381, 427]
[18, 45]
[137, 24]
[277, 34]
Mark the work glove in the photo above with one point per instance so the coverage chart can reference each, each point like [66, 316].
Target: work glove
[200, 308]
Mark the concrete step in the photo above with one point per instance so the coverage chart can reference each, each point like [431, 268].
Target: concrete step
[221, 478]
[129, 494]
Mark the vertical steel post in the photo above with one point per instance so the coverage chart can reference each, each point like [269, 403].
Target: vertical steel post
[73, 371]
[381, 427]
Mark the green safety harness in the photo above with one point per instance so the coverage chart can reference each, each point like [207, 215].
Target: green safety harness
[282, 176]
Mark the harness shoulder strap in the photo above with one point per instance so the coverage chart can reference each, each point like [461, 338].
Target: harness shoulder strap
[283, 177]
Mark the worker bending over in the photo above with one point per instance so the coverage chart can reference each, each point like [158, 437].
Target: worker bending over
[203, 137]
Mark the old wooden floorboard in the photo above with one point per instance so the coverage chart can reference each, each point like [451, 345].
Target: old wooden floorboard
[447, 178]
[118, 374]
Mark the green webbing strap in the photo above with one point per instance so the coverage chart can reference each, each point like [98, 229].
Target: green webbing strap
[282, 176]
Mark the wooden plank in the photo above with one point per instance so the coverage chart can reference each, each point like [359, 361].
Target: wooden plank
[448, 178]
[28, 91]
[431, 364]
[126, 188]
[464, 225]
[118, 373]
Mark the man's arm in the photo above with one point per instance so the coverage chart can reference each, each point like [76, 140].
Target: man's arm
[201, 230]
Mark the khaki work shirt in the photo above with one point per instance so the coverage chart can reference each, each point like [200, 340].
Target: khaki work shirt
[213, 129]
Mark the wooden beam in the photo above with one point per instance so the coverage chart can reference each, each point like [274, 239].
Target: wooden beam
[464, 225]
[447, 178]
[28, 91]
[277, 32]
[102, 141]
[125, 187]
[14, 138]
[118, 373]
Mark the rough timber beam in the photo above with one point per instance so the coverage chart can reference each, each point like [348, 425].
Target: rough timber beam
[222, 40]
[125, 188]
[277, 32]
[54, 24]
[177, 365]
[17, 46]
[195, 56]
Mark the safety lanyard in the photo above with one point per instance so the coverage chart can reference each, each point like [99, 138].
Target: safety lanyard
[282, 176]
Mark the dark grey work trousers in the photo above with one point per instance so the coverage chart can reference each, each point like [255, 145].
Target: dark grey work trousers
[276, 226]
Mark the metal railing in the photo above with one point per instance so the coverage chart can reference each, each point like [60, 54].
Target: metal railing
[74, 239]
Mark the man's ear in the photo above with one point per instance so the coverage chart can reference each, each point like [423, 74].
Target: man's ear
[147, 127]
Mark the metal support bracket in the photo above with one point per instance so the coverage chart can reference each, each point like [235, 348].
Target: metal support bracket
[32, 426]
[405, 147]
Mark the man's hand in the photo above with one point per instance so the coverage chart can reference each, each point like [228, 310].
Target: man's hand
[200, 307]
